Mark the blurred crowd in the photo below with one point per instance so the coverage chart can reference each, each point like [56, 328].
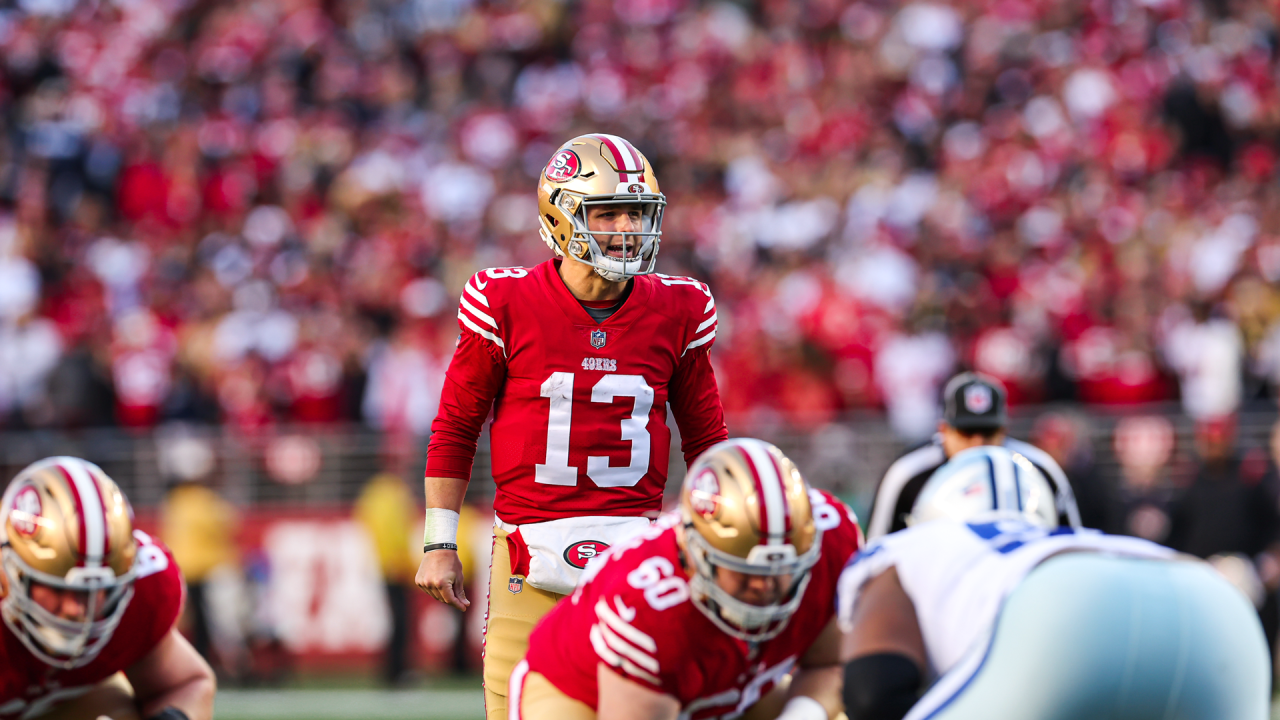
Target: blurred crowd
[262, 211]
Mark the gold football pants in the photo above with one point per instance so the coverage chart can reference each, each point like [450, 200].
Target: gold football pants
[540, 700]
[510, 618]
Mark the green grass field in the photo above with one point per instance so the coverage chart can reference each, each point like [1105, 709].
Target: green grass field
[359, 704]
[432, 704]
[354, 697]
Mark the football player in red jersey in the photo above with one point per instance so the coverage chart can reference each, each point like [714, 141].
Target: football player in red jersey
[89, 606]
[703, 614]
[577, 358]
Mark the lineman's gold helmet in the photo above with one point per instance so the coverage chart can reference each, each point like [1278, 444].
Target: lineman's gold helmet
[745, 507]
[67, 526]
[600, 169]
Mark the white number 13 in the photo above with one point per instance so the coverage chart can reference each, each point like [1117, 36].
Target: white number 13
[556, 470]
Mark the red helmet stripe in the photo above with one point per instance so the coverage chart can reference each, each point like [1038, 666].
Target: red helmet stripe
[771, 492]
[106, 522]
[635, 155]
[755, 478]
[92, 514]
[626, 162]
[786, 506]
[75, 495]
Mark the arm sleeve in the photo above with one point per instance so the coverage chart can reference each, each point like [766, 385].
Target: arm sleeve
[695, 402]
[472, 382]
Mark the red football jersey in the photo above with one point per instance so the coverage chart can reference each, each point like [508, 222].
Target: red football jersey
[27, 684]
[579, 407]
[632, 611]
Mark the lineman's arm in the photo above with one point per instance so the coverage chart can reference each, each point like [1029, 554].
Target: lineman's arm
[440, 572]
[884, 652]
[820, 674]
[173, 675]
[623, 699]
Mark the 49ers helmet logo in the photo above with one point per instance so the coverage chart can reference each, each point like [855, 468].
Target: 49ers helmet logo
[581, 553]
[563, 166]
[25, 515]
[706, 491]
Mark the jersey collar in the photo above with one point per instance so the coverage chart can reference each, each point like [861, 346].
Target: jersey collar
[641, 289]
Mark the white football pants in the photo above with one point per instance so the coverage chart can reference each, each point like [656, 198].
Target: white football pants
[1094, 637]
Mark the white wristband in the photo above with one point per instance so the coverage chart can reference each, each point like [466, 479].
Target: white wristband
[441, 527]
[803, 707]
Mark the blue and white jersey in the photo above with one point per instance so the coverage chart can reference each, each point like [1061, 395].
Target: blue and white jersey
[958, 574]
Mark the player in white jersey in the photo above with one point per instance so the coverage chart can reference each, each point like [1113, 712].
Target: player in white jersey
[999, 613]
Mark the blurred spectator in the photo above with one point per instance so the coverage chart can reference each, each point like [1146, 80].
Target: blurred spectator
[388, 511]
[199, 526]
[1065, 438]
[1230, 515]
[910, 370]
[1143, 446]
[1208, 353]
[1268, 563]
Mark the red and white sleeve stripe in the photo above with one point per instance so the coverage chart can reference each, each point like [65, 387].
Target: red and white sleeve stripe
[705, 331]
[475, 315]
[622, 645]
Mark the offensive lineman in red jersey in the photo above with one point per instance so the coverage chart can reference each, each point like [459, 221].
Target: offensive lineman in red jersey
[704, 613]
[577, 358]
[89, 606]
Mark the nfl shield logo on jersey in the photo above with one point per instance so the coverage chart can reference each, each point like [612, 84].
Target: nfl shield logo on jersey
[515, 584]
[977, 399]
[597, 339]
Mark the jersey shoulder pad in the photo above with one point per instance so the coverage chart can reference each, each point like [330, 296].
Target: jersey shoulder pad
[158, 594]
[485, 297]
[836, 520]
[159, 587]
[637, 617]
[692, 300]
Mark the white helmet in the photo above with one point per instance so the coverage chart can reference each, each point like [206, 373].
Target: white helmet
[987, 483]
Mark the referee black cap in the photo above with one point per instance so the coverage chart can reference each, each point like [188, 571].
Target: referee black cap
[974, 402]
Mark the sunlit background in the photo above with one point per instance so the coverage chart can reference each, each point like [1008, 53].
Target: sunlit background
[232, 235]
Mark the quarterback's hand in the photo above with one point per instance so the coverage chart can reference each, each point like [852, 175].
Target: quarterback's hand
[440, 575]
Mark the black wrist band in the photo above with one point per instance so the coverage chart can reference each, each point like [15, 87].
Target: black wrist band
[170, 713]
[439, 546]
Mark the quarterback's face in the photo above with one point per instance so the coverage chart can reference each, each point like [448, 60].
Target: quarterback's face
[760, 590]
[620, 218]
[67, 604]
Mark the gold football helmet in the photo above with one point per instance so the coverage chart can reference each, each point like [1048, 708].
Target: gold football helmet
[744, 507]
[600, 169]
[66, 526]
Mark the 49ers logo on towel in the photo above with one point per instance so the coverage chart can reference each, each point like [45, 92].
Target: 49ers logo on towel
[581, 553]
[563, 165]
